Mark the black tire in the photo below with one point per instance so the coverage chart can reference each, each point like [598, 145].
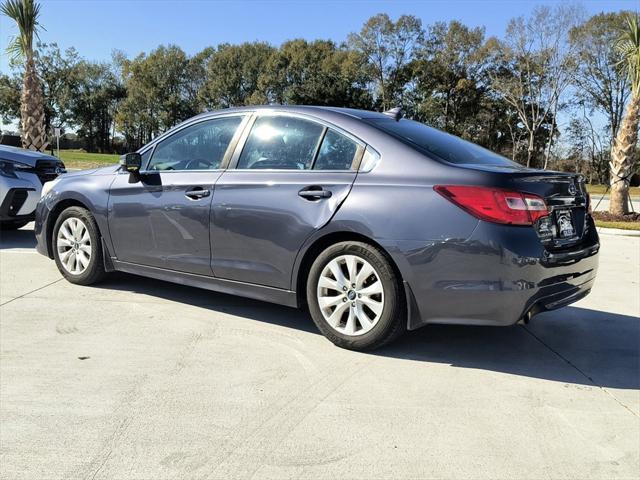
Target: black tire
[13, 224]
[392, 322]
[94, 272]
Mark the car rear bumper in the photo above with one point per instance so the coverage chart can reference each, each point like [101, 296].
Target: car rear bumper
[496, 277]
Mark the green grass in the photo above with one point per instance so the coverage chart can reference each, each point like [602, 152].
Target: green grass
[600, 189]
[620, 225]
[81, 159]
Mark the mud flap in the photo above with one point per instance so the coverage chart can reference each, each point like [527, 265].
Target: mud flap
[414, 320]
[106, 257]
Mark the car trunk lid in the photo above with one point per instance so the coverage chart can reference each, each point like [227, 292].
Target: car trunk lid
[565, 195]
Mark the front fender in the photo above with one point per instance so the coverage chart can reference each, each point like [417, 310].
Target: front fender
[90, 191]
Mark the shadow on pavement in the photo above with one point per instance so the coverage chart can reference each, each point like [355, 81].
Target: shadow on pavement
[573, 345]
[23, 238]
[214, 301]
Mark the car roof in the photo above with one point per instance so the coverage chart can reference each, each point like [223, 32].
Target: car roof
[315, 110]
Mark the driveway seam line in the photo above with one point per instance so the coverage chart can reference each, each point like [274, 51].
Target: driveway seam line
[559, 355]
[30, 292]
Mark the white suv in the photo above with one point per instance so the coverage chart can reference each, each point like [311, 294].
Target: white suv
[22, 174]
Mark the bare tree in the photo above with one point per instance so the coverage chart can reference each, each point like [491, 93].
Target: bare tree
[600, 84]
[537, 67]
[388, 47]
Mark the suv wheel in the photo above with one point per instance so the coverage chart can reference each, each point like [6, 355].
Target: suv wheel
[77, 248]
[354, 296]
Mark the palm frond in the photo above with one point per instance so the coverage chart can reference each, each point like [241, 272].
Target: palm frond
[26, 14]
[628, 47]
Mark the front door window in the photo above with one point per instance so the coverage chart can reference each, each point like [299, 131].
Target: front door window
[198, 147]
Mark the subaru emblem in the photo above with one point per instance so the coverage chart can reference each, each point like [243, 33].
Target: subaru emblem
[572, 189]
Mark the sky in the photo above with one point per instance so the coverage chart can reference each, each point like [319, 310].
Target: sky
[97, 27]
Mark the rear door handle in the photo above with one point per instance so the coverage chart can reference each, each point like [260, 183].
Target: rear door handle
[314, 193]
[197, 193]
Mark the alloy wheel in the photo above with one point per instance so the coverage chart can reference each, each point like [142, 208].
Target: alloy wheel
[74, 245]
[350, 295]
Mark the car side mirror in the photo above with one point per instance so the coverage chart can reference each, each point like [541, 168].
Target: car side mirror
[131, 162]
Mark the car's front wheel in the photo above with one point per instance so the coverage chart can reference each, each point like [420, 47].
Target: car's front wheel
[355, 297]
[77, 248]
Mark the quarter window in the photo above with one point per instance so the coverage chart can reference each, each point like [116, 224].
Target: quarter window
[281, 142]
[336, 152]
[198, 147]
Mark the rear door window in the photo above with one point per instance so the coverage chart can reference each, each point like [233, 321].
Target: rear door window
[281, 142]
[336, 152]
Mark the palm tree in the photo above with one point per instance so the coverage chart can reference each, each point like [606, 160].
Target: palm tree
[623, 151]
[25, 13]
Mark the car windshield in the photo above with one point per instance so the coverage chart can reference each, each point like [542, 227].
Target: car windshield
[440, 144]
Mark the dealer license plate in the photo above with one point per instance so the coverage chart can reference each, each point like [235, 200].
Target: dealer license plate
[564, 221]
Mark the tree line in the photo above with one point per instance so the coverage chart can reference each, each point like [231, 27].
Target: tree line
[530, 95]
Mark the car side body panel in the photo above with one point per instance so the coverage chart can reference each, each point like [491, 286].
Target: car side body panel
[153, 222]
[259, 221]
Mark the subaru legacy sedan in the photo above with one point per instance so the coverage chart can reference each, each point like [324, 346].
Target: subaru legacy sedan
[374, 223]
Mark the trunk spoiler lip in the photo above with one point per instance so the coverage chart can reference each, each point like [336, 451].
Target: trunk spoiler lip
[523, 173]
[553, 177]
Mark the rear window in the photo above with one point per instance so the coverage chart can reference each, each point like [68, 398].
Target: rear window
[441, 145]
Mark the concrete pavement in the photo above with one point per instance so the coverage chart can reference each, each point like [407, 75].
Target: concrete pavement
[141, 379]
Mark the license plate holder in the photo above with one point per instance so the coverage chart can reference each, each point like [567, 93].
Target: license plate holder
[564, 222]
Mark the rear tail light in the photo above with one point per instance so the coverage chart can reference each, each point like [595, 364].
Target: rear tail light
[589, 207]
[496, 205]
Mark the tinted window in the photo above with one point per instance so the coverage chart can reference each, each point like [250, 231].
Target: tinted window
[336, 152]
[439, 144]
[199, 147]
[281, 142]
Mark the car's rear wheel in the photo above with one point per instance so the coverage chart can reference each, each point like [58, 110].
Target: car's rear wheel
[355, 297]
[77, 247]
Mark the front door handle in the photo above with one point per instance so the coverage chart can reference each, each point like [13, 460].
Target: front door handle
[314, 193]
[197, 193]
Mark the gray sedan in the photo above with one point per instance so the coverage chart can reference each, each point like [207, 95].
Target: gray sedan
[375, 223]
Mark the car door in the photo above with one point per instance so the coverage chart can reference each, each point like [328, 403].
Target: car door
[160, 217]
[290, 177]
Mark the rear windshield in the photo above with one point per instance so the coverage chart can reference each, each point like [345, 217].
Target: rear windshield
[441, 145]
